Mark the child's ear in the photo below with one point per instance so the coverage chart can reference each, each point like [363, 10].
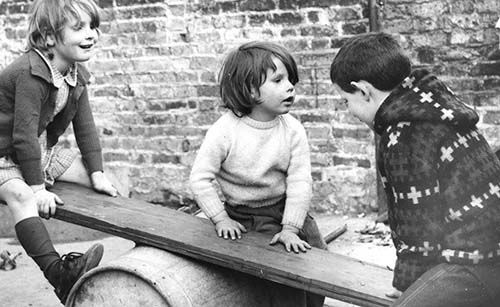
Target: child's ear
[362, 87]
[50, 40]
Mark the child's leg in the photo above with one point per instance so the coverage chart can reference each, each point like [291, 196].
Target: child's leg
[452, 285]
[76, 173]
[62, 273]
[30, 230]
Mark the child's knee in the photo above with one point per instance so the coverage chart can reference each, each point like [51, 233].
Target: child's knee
[17, 193]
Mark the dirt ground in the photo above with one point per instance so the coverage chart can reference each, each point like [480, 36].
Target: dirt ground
[26, 286]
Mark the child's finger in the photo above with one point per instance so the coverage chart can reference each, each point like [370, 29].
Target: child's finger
[287, 247]
[274, 240]
[58, 200]
[242, 228]
[52, 210]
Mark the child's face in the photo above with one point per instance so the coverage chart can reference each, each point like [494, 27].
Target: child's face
[359, 105]
[276, 94]
[77, 43]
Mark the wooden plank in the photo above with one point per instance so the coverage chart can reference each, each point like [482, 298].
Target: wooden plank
[318, 271]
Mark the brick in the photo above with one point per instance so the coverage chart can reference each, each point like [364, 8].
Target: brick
[425, 54]
[207, 90]
[287, 18]
[136, 2]
[165, 158]
[105, 3]
[486, 69]
[318, 31]
[354, 28]
[18, 8]
[141, 12]
[252, 5]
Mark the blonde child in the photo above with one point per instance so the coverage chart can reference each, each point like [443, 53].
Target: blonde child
[258, 154]
[40, 94]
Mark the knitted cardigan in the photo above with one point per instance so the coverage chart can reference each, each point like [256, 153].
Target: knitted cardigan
[27, 101]
[441, 178]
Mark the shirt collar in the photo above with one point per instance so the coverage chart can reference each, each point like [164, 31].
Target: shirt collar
[57, 77]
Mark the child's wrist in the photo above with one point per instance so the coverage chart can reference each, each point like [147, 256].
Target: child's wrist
[290, 228]
[37, 187]
[220, 217]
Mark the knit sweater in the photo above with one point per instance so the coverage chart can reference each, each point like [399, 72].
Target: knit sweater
[27, 104]
[441, 178]
[255, 164]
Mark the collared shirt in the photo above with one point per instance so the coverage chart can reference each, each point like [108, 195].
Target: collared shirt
[60, 81]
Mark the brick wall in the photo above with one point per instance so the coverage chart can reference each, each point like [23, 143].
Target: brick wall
[154, 91]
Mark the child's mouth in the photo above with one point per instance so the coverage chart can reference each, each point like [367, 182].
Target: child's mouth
[289, 99]
[89, 46]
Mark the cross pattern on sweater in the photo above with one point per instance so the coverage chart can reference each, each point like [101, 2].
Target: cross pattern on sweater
[426, 249]
[462, 140]
[408, 82]
[447, 114]
[414, 195]
[393, 138]
[446, 154]
[475, 257]
[476, 202]
[454, 215]
[426, 97]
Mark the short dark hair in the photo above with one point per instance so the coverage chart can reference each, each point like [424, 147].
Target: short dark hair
[374, 57]
[48, 17]
[245, 69]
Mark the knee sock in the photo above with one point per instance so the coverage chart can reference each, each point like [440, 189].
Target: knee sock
[35, 240]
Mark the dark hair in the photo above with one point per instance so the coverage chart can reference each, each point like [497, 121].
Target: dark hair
[245, 69]
[48, 17]
[374, 57]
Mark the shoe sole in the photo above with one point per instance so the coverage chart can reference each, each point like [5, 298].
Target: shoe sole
[94, 257]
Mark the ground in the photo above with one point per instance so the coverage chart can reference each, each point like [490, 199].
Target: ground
[26, 286]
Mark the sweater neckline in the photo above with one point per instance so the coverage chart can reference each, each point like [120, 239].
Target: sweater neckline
[260, 125]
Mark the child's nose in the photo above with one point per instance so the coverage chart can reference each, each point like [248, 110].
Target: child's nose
[92, 33]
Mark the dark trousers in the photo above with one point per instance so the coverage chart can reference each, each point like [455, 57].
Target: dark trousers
[268, 220]
[454, 285]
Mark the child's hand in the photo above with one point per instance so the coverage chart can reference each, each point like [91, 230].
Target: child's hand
[290, 239]
[227, 227]
[102, 184]
[46, 201]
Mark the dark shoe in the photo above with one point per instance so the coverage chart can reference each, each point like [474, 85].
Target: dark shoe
[71, 267]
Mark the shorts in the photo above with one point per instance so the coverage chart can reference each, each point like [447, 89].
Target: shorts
[55, 161]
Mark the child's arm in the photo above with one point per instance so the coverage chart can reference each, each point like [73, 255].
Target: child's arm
[298, 191]
[205, 168]
[88, 142]
[227, 227]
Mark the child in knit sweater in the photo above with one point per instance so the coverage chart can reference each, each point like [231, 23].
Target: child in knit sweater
[441, 177]
[40, 94]
[258, 153]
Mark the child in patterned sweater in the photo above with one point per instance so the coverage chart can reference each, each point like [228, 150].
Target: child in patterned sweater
[258, 154]
[441, 177]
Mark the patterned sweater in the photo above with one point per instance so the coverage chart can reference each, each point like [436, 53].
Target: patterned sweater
[441, 178]
[255, 164]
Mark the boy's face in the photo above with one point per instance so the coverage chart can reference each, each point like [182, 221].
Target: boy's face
[276, 94]
[359, 105]
[77, 42]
